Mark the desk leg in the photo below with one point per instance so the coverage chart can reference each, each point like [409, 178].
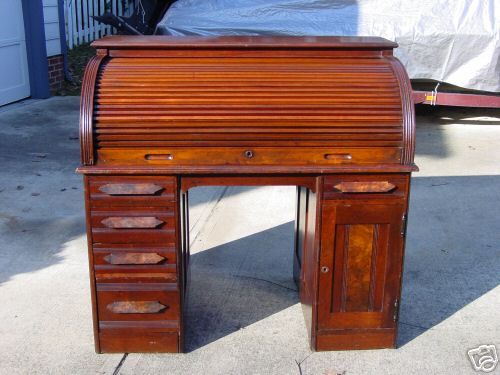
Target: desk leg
[305, 255]
[184, 256]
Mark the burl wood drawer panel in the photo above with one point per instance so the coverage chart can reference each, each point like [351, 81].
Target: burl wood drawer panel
[136, 301]
[133, 225]
[366, 186]
[133, 262]
[131, 191]
[249, 156]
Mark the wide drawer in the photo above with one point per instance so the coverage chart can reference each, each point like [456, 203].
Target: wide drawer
[135, 301]
[131, 191]
[186, 156]
[138, 263]
[143, 225]
[111, 341]
[365, 186]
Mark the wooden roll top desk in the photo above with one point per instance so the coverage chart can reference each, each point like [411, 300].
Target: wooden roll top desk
[332, 115]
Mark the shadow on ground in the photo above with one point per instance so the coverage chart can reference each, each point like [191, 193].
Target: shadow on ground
[239, 283]
[452, 259]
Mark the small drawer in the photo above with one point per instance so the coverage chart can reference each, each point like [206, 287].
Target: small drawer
[136, 301]
[186, 156]
[132, 191]
[140, 264]
[112, 341]
[131, 226]
[133, 219]
[365, 186]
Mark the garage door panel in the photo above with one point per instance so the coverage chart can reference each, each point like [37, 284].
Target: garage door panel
[14, 77]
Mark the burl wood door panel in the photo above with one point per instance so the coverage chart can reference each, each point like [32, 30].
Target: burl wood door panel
[360, 265]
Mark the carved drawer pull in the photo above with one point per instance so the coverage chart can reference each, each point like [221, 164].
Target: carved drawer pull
[365, 186]
[119, 222]
[134, 258]
[339, 157]
[136, 307]
[130, 189]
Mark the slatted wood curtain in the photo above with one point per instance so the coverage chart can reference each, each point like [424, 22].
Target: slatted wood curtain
[81, 28]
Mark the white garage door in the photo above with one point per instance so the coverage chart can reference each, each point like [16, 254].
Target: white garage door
[14, 78]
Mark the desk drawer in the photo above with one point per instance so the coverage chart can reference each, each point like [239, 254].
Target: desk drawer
[131, 191]
[131, 301]
[177, 156]
[138, 225]
[365, 186]
[141, 342]
[139, 263]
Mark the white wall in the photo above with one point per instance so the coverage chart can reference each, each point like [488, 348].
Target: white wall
[52, 34]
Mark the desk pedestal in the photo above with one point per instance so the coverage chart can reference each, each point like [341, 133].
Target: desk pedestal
[349, 239]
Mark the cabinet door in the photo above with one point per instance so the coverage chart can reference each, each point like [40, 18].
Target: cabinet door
[360, 265]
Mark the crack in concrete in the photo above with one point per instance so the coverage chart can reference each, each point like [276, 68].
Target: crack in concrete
[267, 281]
[207, 218]
[120, 364]
[415, 325]
[299, 364]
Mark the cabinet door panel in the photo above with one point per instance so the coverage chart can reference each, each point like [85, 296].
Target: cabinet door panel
[361, 256]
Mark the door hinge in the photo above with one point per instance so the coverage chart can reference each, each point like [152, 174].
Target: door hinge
[395, 316]
[404, 222]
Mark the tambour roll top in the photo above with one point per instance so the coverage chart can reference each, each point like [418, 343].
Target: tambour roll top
[246, 102]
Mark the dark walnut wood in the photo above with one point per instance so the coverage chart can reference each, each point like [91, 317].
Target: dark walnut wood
[131, 222]
[365, 186]
[136, 307]
[161, 115]
[134, 258]
[130, 189]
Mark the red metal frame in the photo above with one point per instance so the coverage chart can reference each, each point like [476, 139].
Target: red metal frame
[456, 99]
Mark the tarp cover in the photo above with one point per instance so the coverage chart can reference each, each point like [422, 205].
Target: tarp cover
[450, 41]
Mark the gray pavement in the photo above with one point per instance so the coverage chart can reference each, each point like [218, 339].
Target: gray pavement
[243, 315]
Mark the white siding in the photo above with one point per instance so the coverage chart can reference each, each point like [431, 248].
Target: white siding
[52, 34]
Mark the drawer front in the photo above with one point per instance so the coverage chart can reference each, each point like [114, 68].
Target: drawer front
[132, 191]
[129, 302]
[137, 225]
[365, 186]
[250, 156]
[133, 219]
[140, 342]
[140, 263]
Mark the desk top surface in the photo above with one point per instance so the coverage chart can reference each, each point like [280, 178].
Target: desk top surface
[244, 42]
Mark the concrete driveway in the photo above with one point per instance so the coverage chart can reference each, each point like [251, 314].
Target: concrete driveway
[243, 315]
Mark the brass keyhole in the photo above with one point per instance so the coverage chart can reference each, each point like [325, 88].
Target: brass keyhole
[325, 269]
[249, 154]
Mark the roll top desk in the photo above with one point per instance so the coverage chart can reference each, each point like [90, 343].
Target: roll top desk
[331, 115]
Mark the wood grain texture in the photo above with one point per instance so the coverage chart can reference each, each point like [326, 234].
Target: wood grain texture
[130, 189]
[161, 115]
[231, 97]
[244, 42]
[136, 307]
[408, 109]
[134, 258]
[118, 222]
[261, 156]
[86, 110]
[364, 186]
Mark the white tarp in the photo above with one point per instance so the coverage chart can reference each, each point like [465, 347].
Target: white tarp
[453, 41]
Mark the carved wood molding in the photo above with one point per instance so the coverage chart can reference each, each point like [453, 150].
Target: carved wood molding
[364, 186]
[134, 258]
[408, 110]
[130, 189]
[87, 109]
[120, 222]
[136, 307]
